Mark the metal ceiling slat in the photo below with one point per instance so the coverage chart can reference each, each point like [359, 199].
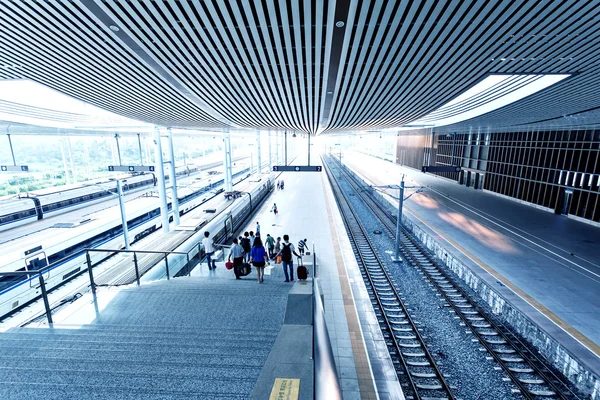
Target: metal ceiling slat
[300, 64]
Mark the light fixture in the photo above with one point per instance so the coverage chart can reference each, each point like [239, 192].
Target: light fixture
[340, 24]
[114, 28]
[493, 92]
[294, 135]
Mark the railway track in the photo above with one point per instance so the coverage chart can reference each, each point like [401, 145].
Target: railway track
[415, 366]
[526, 370]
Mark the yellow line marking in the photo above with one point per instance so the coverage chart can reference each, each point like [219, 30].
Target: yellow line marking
[285, 389]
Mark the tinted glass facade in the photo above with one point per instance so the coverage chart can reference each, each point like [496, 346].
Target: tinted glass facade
[559, 170]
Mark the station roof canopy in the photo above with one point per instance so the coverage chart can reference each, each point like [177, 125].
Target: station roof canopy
[312, 65]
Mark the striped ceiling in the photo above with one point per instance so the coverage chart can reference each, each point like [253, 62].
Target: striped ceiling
[305, 65]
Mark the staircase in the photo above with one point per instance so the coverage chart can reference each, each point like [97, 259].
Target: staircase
[187, 338]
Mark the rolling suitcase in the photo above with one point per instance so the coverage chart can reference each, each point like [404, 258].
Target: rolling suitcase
[301, 271]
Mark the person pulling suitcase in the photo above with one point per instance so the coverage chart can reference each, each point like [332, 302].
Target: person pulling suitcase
[287, 249]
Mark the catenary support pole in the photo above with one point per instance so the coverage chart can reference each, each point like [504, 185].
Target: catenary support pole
[399, 222]
[227, 160]
[258, 158]
[140, 147]
[64, 159]
[174, 198]
[270, 160]
[123, 215]
[12, 152]
[160, 177]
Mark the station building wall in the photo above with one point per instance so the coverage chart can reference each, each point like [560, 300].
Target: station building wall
[557, 170]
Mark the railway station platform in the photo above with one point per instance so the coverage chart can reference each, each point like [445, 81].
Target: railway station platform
[543, 264]
[210, 335]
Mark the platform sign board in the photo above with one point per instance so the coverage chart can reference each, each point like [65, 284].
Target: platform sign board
[12, 168]
[440, 168]
[131, 168]
[297, 168]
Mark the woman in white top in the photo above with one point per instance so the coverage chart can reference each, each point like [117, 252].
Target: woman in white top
[208, 250]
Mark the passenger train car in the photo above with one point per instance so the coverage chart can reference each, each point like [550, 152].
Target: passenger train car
[62, 245]
[54, 201]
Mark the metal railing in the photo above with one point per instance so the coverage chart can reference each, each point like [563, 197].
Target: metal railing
[136, 264]
[326, 385]
[39, 273]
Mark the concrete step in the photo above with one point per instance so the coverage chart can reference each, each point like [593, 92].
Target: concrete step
[208, 346]
[124, 333]
[167, 381]
[197, 358]
[25, 391]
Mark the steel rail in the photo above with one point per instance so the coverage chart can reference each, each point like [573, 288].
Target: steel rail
[472, 315]
[373, 271]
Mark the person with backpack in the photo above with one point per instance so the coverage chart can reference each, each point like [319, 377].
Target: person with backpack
[237, 252]
[270, 242]
[258, 257]
[257, 228]
[287, 249]
[245, 243]
[301, 246]
[209, 250]
[274, 209]
[252, 237]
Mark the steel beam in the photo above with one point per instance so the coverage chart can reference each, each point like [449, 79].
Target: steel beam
[160, 177]
[174, 198]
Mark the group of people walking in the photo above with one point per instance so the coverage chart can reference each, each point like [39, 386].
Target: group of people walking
[250, 249]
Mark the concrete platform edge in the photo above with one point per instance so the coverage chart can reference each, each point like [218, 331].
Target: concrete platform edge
[577, 362]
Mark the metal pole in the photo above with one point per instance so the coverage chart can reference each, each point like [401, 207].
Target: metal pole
[118, 148]
[184, 159]
[140, 147]
[399, 221]
[270, 161]
[160, 176]
[137, 271]
[45, 297]
[453, 141]
[12, 153]
[89, 263]
[251, 162]
[62, 152]
[167, 266]
[123, 215]
[227, 160]
[258, 158]
[174, 198]
[285, 145]
[189, 271]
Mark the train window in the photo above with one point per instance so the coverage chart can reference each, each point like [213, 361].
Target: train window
[8, 281]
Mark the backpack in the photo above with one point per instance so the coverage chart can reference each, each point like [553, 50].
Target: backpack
[245, 243]
[286, 252]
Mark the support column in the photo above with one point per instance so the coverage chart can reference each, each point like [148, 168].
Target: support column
[285, 145]
[309, 149]
[71, 159]
[227, 162]
[277, 148]
[64, 159]
[140, 147]
[258, 158]
[160, 177]
[174, 198]
[270, 160]
[12, 152]
[118, 148]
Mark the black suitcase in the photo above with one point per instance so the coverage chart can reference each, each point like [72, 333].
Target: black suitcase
[245, 269]
[301, 271]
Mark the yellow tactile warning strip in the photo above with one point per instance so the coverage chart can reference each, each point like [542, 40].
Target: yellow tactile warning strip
[534, 303]
[363, 369]
[285, 389]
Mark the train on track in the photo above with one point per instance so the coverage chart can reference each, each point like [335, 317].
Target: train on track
[46, 203]
[62, 246]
